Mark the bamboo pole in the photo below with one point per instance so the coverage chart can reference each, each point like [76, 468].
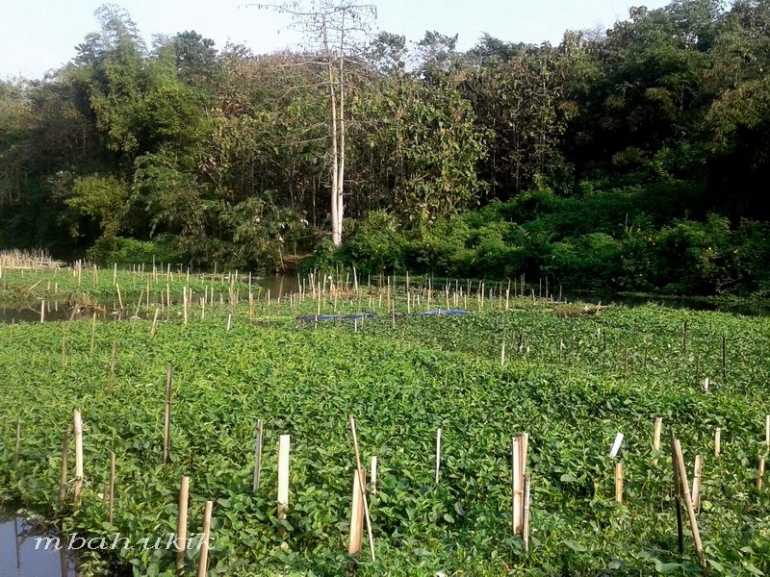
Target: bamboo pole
[619, 482]
[93, 333]
[204, 560]
[717, 442]
[368, 519]
[257, 458]
[64, 467]
[525, 516]
[42, 311]
[18, 444]
[438, 454]
[767, 431]
[111, 492]
[154, 321]
[357, 512]
[373, 487]
[284, 444]
[688, 502]
[181, 526]
[677, 493]
[113, 358]
[656, 437]
[167, 414]
[78, 423]
[760, 473]
[696, 482]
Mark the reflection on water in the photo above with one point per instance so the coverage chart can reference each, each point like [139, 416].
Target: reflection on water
[22, 555]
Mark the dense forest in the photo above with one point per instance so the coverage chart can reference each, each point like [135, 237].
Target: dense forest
[635, 158]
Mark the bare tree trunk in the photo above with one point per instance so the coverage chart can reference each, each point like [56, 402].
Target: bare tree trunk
[341, 170]
[335, 192]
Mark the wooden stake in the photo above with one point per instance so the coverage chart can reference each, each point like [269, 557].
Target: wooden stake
[78, 422]
[656, 437]
[167, 415]
[154, 321]
[373, 487]
[42, 311]
[363, 491]
[438, 454]
[18, 444]
[64, 467]
[767, 431]
[204, 560]
[113, 358]
[717, 442]
[760, 473]
[181, 526]
[619, 482]
[688, 502]
[518, 471]
[257, 458]
[677, 494]
[357, 512]
[284, 444]
[696, 482]
[93, 333]
[525, 516]
[111, 492]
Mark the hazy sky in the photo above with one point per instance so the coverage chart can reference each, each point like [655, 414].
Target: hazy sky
[38, 35]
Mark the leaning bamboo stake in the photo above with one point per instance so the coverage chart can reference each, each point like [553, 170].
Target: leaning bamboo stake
[181, 527]
[167, 414]
[696, 482]
[93, 333]
[257, 458]
[656, 437]
[284, 444]
[717, 442]
[111, 491]
[64, 467]
[357, 512]
[619, 482]
[760, 473]
[204, 560]
[366, 504]
[688, 502]
[438, 454]
[78, 422]
[677, 494]
[154, 322]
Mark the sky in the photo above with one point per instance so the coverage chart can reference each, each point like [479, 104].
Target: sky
[40, 35]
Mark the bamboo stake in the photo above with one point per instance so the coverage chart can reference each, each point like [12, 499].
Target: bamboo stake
[619, 482]
[357, 512]
[18, 444]
[42, 311]
[184, 304]
[257, 457]
[181, 527]
[656, 437]
[111, 492]
[113, 358]
[120, 298]
[373, 487]
[93, 333]
[167, 414]
[760, 473]
[366, 505]
[696, 482]
[78, 422]
[688, 502]
[204, 560]
[767, 431]
[438, 454]
[677, 494]
[717, 442]
[525, 516]
[64, 467]
[284, 444]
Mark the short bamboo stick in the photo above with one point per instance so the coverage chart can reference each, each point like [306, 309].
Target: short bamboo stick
[181, 527]
[357, 512]
[78, 425]
[204, 560]
[284, 445]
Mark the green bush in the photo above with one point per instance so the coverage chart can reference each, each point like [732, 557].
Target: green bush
[107, 251]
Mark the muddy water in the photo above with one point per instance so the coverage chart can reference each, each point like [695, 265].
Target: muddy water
[23, 554]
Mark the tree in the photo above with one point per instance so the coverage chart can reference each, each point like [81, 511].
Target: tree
[333, 29]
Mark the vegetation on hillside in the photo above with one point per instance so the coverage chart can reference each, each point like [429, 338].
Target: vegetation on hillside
[633, 158]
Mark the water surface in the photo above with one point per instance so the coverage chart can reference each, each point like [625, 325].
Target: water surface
[22, 556]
